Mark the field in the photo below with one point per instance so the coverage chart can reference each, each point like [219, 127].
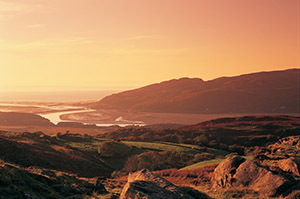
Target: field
[168, 146]
[91, 145]
[208, 163]
[73, 159]
[53, 130]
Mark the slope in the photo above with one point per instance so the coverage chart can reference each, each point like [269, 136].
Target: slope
[263, 92]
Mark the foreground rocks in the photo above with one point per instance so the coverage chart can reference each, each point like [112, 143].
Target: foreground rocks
[236, 171]
[291, 165]
[146, 185]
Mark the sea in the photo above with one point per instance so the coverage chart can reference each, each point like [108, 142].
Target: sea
[55, 96]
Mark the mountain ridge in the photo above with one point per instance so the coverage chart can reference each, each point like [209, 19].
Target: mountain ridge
[261, 92]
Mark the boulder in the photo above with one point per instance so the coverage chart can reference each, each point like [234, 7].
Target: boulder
[224, 172]
[146, 190]
[291, 165]
[236, 171]
[251, 175]
[144, 184]
[292, 141]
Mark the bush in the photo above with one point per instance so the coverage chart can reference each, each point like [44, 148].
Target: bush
[157, 160]
[113, 149]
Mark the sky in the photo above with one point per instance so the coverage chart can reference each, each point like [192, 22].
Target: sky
[57, 45]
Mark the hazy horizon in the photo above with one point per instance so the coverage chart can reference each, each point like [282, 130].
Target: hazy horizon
[54, 96]
[117, 88]
[72, 94]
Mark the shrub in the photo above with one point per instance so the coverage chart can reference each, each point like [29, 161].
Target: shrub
[157, 160]
[113, 149]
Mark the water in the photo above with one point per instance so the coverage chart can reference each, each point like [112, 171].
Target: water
[55, 117]
[54, 107]
[58, 96]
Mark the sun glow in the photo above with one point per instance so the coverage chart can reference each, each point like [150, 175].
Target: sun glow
[108, 44]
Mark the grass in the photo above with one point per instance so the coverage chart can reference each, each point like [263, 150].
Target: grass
[167, 146]
[217, 151]
[89, 147]
[86, 144]
[202, 164]
[15, 182]
[158, 146]
[119, 162]
[208, 162]
[138, 147]
[229, 193]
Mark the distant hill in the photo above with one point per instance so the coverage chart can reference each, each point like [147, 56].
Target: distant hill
[245, 131]
[23, 119]
[267, 122]
[263, 92]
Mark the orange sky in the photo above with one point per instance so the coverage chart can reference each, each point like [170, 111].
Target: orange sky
[109, 44]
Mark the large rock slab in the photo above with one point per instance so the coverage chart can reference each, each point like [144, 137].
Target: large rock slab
[223, 174]
[146, 185]
[236, 171]
[146, 190]
[291, 165]
[259, 179]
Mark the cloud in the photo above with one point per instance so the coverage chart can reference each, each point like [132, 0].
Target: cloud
[13, 9]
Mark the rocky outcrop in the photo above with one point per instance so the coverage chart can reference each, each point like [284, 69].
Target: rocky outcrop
[236, 171]
[259, 179]
[223, 174]
[292, 141]
[146, 185]
[286, 145]
[291, 165]
[146, 190]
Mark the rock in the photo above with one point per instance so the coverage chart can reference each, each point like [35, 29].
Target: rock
[99, 187]
[259, 179]
[144, 184]
[291, 165]
[146, 190]
[236, 171]
[295, 195]
[225, 170]
[292, 141]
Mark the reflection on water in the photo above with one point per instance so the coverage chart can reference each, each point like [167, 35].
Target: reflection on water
[55, 117]
[56, 96]
[52, 107]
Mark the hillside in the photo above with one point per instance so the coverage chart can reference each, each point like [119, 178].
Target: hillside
[263, 92]
[231, 134]
[22, 119]
[36, 182]
[66, 165]
[38, 149]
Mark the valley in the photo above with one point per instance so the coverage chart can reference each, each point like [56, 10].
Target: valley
[96, 164]
[175, 139]
[149, 99]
